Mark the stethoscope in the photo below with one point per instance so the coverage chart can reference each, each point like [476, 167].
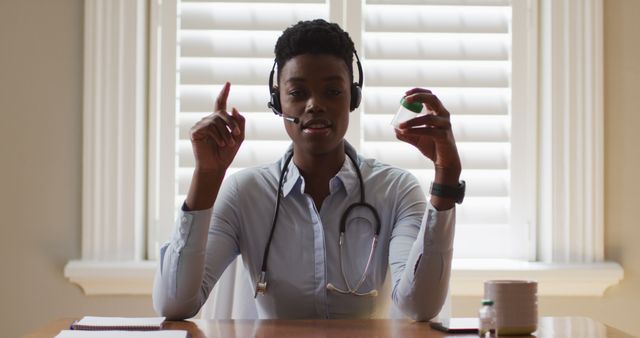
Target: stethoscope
[261, 285]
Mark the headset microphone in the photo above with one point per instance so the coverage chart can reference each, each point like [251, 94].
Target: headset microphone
[292, 119]
[277, 112]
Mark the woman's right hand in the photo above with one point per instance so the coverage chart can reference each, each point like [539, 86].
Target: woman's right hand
[217, 137]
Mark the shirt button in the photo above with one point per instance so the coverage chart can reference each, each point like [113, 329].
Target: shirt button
[184, 219]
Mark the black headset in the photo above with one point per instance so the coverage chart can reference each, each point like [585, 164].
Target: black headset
[356, 90]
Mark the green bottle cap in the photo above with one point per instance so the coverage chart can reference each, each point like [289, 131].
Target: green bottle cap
[487, 302]
[415, 107]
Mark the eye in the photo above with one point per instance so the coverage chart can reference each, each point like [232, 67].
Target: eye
[334, 92]
[296, 93]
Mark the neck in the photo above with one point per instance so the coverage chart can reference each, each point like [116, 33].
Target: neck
[317, 170]
[319, 167]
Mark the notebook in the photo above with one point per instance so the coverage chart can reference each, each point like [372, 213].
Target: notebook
[122, 334]
[118, 323]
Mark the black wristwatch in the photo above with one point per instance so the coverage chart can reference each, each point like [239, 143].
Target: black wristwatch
[447, 191]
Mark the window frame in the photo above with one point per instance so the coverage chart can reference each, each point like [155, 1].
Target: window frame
[122, 74]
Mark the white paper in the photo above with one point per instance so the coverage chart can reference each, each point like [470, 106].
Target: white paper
[122, 334]
[121, 321]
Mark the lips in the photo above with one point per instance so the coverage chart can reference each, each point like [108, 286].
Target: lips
[316, 125]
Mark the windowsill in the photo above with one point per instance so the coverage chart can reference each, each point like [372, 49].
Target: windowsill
[467, 278]
[554, 279]
[112, 277]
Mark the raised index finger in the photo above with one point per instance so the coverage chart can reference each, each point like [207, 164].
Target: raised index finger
[221, 101]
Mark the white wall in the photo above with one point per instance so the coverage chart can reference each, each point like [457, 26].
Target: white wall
[40, 173]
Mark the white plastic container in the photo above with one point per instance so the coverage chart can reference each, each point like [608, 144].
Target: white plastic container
[487, 320]
[407, 111]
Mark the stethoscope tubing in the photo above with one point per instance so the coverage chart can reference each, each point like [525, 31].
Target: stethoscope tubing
[261, 285]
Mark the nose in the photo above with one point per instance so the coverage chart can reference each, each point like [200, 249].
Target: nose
[314, 105]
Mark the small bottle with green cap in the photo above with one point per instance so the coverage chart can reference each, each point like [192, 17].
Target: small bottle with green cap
[407, 111]
[487, 320]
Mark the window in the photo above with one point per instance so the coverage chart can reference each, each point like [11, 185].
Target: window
[527, 106]
[461, 50]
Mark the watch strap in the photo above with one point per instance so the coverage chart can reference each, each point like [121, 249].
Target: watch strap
[447, 191]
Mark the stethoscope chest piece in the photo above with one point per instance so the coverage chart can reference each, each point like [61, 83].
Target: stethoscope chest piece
[261, 285]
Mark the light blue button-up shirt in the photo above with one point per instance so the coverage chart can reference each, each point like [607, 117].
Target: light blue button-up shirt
[415, 242]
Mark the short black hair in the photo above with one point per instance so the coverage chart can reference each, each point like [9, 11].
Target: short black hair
[314, 37]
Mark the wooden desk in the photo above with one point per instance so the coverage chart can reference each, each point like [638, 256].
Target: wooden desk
[565, 327]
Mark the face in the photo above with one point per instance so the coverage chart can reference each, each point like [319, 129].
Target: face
[317, 90]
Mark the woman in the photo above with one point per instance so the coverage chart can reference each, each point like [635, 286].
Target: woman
[286, 219]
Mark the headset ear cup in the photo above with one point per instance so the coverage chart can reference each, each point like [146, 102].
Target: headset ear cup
[275, 102]
[356, 96]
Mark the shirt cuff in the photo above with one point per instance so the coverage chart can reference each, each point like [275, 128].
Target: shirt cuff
[190, 222]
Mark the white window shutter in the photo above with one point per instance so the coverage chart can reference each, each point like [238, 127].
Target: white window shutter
[225, 41]
[461, 51]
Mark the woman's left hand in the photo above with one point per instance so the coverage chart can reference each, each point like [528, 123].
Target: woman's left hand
[432, 135]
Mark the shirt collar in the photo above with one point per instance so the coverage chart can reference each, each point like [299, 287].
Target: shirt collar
[290, 179]
[347, 174]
